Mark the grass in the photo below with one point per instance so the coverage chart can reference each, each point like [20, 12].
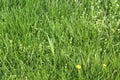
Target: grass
[47, 39]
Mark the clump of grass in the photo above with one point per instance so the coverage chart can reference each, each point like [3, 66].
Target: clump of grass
[44, 40]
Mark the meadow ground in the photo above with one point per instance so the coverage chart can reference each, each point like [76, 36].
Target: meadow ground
[59, 39]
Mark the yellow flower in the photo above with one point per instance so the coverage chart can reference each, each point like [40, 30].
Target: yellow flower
[78, 66]
[104, 65]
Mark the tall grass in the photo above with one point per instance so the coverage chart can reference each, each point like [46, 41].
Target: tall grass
[46, 39]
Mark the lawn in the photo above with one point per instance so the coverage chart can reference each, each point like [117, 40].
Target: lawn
[59, 39]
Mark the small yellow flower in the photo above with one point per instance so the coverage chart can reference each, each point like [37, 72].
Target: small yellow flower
[78, 66]
[104, 65]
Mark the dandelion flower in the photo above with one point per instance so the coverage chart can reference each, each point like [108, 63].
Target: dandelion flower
[104, 65]
[78, 66]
